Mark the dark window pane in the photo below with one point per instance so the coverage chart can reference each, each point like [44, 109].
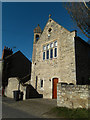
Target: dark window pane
[47, 54]
[49, 30]
[43, 55]
[55, 52]
[37, 37]
[36, 82]
[41, 83]
[51, 53]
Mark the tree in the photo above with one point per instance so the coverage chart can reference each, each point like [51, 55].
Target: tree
[79, 11]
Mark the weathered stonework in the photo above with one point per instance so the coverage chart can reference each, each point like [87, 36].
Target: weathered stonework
[70, 65]
[72, 96]
[62, 67]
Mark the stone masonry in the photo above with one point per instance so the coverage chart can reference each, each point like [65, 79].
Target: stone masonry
[69, 66]
[61, 67]
[73, 96]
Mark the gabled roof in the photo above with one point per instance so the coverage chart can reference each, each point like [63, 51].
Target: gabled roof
[50, 19]
[19, 65]
[18, 52]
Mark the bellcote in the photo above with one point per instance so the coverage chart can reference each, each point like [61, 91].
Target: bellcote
[37, 33]
[37, 29]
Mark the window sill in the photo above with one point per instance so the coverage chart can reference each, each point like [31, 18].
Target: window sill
[55, 57]
[50, 59]
[41, 89]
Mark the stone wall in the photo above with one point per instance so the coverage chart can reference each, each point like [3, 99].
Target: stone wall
[72, 96]
[13, 84]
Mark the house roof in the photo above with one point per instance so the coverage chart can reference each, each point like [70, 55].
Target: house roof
[82, 41]
[19, 56]
[18, 52]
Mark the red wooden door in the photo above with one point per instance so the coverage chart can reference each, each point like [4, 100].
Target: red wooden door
[55, 81]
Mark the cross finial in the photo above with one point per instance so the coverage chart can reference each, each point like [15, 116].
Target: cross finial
[49, 15]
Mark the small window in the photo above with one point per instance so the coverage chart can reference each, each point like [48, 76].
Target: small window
[47, 54]
[44, 47]
[41, 83]
[51, 45]
[49, 30]
[50, 20]
[51, 53]
[36, 82]
[43, 55]
[55, 52]
[48, 46]
[37, 37]
[55, 43]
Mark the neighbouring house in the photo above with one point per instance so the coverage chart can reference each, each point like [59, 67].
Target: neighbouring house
[59, 56]
[15, 65]
[17, 75]
[26, 88]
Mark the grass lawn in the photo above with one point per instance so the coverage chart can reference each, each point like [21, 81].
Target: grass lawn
[63, 112]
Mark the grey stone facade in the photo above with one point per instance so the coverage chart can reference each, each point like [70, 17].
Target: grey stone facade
[63, 66]
[73, 96]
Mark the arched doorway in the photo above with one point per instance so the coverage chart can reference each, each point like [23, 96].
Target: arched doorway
[55, 81]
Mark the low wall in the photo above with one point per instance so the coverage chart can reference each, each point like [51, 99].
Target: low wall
[72, 96]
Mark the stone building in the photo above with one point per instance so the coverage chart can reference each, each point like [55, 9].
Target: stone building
[58, 56]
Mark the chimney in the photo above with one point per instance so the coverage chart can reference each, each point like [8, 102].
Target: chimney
[6, 52]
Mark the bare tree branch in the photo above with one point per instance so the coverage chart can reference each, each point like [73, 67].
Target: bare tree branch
[79, 11]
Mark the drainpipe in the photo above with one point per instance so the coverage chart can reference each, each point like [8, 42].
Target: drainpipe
[19, 86]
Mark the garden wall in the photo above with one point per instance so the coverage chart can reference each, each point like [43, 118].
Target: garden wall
[72, 96]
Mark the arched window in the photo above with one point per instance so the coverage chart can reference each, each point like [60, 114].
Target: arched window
[37, 37]
[49, 30]
[51, 53]
[36, 82]
[41, 83]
